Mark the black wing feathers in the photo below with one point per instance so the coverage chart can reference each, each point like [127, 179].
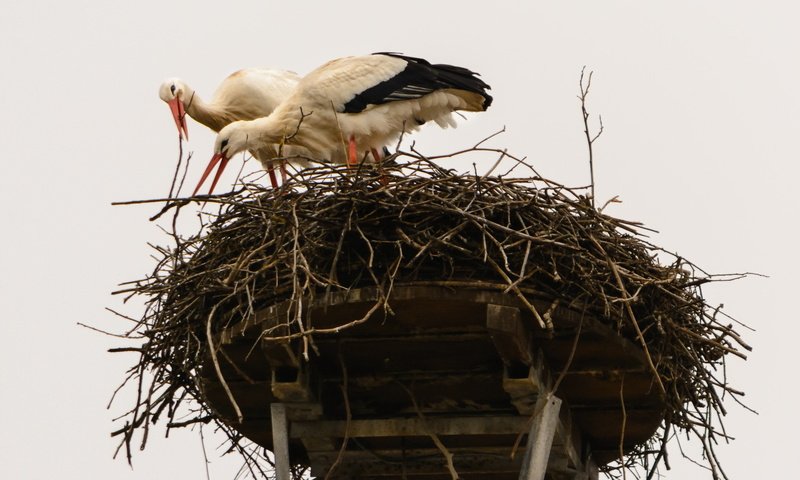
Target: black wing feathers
[418, 79]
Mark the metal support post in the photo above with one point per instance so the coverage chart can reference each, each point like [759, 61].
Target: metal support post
[540, 440]
[280, 441]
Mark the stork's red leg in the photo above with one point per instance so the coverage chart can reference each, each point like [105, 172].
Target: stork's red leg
[272, 179]
[284, 173]
[351, 151]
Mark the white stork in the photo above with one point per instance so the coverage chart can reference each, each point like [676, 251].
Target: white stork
[353, 106]
[244, 95]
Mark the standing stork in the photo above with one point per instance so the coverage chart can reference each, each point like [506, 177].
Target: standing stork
[354, 106]
[244, 95]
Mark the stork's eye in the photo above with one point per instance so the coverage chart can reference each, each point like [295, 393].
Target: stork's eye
[172, 88]
[223, 144]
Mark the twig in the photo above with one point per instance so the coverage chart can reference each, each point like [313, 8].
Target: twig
[436, 440]
[217, 368]
[205, 455]
[589, 138]
[624, 423]
[348, 417]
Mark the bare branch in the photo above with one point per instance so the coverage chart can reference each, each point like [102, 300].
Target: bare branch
[590, 139]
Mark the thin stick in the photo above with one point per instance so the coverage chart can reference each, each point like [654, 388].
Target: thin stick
[436, 440]
[205, 455]
[623, 426]
[217, 368]
[348, 418]
[589, 138]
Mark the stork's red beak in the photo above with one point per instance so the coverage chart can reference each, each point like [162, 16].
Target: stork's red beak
[220, 158]
[179, 115]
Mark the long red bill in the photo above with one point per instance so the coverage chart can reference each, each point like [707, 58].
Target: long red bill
[179, 115]
[211, 164]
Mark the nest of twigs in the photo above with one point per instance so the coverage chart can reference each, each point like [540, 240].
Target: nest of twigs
[334, 229]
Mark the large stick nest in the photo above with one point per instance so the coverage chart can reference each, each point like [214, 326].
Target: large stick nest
[334, 230]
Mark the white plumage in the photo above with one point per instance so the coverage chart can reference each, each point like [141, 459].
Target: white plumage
[354, 106]
[244, 95]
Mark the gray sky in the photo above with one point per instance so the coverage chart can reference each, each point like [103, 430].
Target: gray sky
[699, 102]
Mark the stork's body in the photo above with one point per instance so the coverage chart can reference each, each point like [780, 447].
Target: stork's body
[244, 95]
[353, 106]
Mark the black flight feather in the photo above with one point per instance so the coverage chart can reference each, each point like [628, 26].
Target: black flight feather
[418, 79]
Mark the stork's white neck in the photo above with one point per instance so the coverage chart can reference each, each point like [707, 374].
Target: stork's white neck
[287, 126]
[264, 131]
[208, 114]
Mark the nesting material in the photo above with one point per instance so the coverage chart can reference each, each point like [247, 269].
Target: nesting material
[333, 230]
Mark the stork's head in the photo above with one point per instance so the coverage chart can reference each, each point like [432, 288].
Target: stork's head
[231, 140]
[174, 92]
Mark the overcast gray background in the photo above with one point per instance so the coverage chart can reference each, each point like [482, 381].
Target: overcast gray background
[699, 100]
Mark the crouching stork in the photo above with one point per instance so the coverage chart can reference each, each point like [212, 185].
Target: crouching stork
[352, 107]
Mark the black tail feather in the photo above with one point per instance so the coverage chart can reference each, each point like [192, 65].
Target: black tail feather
[418, 79]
